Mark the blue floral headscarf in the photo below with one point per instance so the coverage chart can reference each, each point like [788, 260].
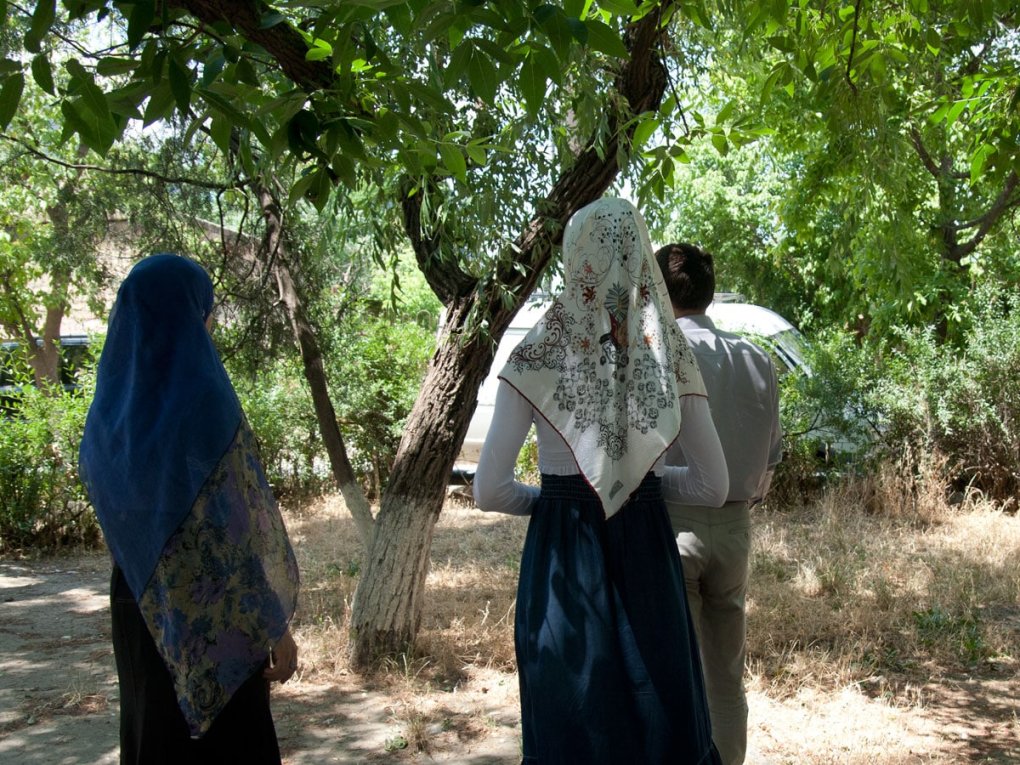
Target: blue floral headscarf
[173, 472]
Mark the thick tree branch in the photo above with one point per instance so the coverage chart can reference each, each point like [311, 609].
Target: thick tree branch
[1006, 200]
[446, 278]
[853, 46]
[922, 151]
[281, 41]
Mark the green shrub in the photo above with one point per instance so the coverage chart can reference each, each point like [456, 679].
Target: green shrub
[278, 406]
[832, 412]
[964, 401]
[376, 371]
[42, 502]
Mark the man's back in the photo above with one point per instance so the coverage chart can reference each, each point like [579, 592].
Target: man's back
[744, 397]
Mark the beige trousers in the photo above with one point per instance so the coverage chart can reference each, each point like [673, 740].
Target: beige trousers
[714, 545]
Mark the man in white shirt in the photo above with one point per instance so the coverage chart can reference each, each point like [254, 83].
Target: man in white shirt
[715, 542]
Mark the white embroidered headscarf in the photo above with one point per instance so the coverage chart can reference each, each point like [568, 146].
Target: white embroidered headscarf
[607, 364]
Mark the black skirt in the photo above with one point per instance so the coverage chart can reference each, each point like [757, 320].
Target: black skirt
[152, 728]
[607, 657]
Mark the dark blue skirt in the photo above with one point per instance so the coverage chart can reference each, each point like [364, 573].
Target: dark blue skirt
[606, 654]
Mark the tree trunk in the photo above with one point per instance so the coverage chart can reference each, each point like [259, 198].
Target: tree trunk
[325, 414]
[45, 357]
[388, 603]
[274, 257]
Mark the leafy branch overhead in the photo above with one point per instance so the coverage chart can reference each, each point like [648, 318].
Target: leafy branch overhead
[340, 89]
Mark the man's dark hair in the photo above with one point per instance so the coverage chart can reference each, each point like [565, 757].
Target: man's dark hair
[689, 275]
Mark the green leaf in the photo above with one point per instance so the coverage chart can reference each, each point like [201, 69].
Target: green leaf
[453, 160]
[160, 105]
[726, 112]
[456, 68]
[42, 19]
[574, 8]
[955, 111]
[720, 143]
[477, 153]
[532, 82]
[10, 97]
[140, 19]
[95, 133]
[112, 65]
[246, 73]
[43, 73]
[619, 7]
[319, 189]
[554, 24]
[483, 76]
[603, 38]
[978, 161]
[228, 110]
[301, 186]
[220, 129]
[180, 85]
[319, 52]
[92, 97]
[270, 20]
[645, 129]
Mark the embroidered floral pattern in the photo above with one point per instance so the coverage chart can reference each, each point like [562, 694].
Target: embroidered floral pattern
[225, 586]
[606, 363]
[578, 348]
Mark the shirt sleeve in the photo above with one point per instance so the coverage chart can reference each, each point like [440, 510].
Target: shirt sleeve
[775, 443]
[704, 479]
[494, 487]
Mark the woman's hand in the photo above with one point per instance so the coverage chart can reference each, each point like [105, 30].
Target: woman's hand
[283, 660]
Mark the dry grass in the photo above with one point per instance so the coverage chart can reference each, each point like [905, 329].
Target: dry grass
[884, 586]
[870, 612]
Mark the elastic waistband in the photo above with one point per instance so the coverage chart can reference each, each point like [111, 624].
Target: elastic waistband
[575, 487]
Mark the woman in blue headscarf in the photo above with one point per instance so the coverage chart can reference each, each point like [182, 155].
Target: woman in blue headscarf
[205, 581]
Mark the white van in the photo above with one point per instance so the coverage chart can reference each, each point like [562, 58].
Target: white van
[761, 324]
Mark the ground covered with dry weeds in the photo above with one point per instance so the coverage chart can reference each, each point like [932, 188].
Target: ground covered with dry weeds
[884, 628]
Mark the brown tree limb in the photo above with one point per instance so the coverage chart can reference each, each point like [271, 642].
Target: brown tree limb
[922, 151]
[853, 46]
[1005, 200]
[281, 41]
[273, 250]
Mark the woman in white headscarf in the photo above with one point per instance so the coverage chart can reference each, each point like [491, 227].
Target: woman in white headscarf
[607, 659]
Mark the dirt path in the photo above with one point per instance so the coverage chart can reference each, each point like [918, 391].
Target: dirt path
[58, 702]
[59, 697]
